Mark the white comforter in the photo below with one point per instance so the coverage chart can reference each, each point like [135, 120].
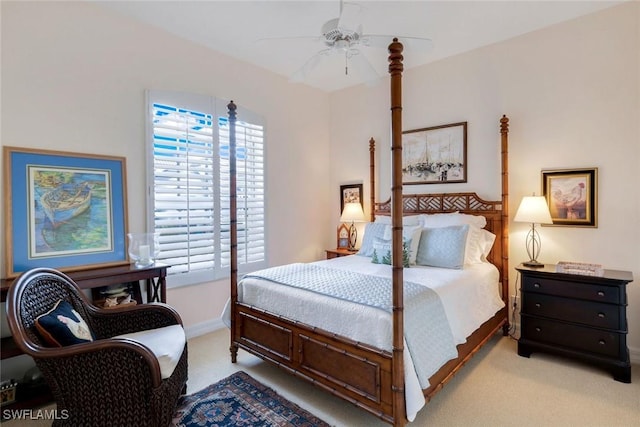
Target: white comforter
[469, 296]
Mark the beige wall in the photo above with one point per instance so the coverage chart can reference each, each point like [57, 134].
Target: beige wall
[74, 75]
[73, 79]
[571, 92]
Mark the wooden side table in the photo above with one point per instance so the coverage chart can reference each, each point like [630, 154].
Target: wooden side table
[578, 316]
[335, 253]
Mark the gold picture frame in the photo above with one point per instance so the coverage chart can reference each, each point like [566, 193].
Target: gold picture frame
[572, 196]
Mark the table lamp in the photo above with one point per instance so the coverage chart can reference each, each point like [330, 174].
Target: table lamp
[533, 209]
[352, 212]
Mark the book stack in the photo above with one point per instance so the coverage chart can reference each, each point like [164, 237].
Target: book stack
[582, 268]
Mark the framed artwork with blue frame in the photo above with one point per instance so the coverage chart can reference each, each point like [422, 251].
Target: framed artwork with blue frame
[66, 211]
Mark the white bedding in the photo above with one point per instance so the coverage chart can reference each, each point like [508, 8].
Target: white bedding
[470, 297]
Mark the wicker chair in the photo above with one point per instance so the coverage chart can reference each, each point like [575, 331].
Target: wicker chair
[107, 382]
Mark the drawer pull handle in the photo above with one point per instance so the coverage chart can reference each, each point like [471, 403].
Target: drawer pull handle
[538, 329]
[602, 342]
[536, 285]
[601, 315]
[538, 305]
[600, 293]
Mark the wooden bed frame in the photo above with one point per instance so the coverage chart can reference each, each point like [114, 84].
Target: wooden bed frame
[368, 377]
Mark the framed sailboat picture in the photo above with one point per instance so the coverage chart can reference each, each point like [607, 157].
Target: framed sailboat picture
[66, 211]
[435, 155]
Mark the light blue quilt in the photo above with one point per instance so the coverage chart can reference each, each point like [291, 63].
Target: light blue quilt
[426, 329]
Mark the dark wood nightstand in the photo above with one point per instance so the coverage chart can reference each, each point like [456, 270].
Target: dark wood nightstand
[335, 253]
[576, 316]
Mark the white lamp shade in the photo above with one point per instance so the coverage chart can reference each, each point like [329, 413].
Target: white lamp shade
[352, 212]
[534, 210]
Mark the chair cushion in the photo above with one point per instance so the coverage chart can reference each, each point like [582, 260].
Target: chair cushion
[62, 326]
[165, 343]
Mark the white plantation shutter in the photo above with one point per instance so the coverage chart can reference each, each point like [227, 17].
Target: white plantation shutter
[189, 195]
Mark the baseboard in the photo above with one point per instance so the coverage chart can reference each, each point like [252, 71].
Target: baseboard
[204, 328]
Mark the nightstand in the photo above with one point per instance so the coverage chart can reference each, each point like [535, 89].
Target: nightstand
[576, 316]
[335, 253]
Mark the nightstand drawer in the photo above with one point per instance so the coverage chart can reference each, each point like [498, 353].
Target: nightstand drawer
[595, 341]
[600, 315]
[569, 289]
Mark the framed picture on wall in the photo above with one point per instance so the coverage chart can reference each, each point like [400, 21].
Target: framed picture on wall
[66, 211]
[350, 193]
[435, 155]
[572, 196]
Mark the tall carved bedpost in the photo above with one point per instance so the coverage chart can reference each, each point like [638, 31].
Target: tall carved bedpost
[395, 70]
[233, 214]
[504, 137]
[372, 176]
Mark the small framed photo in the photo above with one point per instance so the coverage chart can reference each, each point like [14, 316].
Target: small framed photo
[435, 155]
[350, 193]
[343, 237]
[572, 196]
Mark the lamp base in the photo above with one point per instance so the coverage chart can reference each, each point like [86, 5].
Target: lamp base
[353, 237]
[533, 263]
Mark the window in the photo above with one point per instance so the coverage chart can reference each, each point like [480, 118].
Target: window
[189, 191]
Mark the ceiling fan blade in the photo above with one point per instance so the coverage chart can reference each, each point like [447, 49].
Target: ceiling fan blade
[288, 39]
[349, 16]
[362, 67]
[383, 41]
[301, 74]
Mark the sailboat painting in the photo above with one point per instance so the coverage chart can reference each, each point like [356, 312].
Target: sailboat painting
[435, 155]
[68, 212]
[64, 210]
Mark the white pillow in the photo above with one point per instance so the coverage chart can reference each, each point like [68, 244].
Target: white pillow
[452, 218]
[406, 220]
[443, 246]
[487, 241]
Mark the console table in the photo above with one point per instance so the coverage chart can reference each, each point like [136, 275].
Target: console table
[154, 276]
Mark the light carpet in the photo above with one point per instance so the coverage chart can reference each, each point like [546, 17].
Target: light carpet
[497, 388]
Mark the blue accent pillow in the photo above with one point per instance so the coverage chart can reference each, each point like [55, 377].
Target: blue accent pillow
[62, 326]
[372, 231]
[443, 247]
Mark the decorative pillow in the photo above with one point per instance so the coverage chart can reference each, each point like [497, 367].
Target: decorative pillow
[410, 236]
[443, 246]
[372, 231]
[62, 326]
[382, 252]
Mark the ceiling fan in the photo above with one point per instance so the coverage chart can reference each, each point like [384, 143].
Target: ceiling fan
[344, 36]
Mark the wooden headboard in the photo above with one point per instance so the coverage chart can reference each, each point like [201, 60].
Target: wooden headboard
[496, 212]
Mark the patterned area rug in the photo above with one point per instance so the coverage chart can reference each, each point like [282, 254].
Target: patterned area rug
[240, 400]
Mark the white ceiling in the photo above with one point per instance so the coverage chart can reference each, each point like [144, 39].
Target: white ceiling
[235, 27]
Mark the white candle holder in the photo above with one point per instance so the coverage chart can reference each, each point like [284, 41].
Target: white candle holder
[143, 248]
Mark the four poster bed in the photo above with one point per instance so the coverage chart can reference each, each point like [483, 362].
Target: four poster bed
[377, 378]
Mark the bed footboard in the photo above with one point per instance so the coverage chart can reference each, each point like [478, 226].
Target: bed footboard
[352, 371]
